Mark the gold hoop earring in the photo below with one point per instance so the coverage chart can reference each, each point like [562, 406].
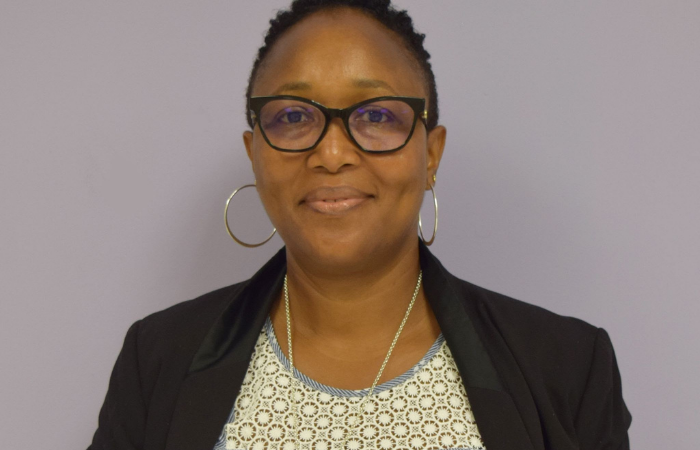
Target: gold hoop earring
[230, 233]
[420, 224]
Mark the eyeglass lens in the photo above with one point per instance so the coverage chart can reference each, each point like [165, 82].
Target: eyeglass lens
[378, 126]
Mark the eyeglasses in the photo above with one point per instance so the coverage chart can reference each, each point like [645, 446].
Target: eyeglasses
[376, 125]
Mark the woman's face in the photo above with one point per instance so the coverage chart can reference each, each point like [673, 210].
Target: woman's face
[335, 203]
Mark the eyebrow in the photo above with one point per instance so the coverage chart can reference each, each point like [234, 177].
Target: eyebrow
[363, 83]
[293, 86]
[374, 84]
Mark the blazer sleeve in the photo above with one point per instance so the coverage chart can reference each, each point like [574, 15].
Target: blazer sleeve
[603, 419]
[123, 415]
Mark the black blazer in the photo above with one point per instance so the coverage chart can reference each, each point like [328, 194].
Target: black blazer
[535, 380]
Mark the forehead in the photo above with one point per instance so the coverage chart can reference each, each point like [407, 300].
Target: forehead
[339, 55]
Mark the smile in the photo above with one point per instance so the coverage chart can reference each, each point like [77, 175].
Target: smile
[335, 206]
[335, 200]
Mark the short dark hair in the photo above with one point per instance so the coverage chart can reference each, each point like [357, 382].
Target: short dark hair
[382, 10]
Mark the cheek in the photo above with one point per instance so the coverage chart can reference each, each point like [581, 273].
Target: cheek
[402, 181]
[404, 173]
[275, 175]
[272, 167]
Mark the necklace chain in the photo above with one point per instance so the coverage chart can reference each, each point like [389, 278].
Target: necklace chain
[358, 414]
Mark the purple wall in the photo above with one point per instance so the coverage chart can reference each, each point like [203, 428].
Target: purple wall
[570, 180]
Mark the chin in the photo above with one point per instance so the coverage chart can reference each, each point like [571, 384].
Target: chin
[340, 252]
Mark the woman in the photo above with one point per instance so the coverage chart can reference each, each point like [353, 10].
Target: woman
[353, 335]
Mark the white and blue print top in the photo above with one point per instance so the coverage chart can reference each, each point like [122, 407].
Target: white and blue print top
[426, 408]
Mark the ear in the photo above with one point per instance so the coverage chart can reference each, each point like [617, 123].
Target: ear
[248, 142]
[436, 145]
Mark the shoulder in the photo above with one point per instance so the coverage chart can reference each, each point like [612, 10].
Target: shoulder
[174, 334]
[550, 349]
[193, 313]
[535, 324]
[569, 365]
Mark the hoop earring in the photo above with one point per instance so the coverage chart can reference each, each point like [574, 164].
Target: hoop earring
[420, 224]
[230, 233]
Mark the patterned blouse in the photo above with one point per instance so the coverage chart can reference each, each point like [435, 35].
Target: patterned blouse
[426, 408]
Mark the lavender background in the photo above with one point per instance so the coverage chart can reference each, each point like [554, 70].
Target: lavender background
[570, 180]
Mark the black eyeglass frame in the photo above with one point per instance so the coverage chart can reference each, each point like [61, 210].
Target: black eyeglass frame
[417, 104]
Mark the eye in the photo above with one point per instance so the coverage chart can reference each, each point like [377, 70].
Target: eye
[374, 114]
[294, 115]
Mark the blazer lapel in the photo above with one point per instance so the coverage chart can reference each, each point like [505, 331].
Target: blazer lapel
[499, 421]
[203, 406]
[216, 373]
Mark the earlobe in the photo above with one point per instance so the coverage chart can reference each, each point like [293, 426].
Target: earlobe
[248, 142]
[436, 145]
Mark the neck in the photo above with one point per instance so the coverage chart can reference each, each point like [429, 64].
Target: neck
[358, 306]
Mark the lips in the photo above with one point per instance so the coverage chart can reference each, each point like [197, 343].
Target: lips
[335, 200]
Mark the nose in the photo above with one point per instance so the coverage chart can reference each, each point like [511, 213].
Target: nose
[336, 150]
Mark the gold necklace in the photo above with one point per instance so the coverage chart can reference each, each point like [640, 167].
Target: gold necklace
[354, 421]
